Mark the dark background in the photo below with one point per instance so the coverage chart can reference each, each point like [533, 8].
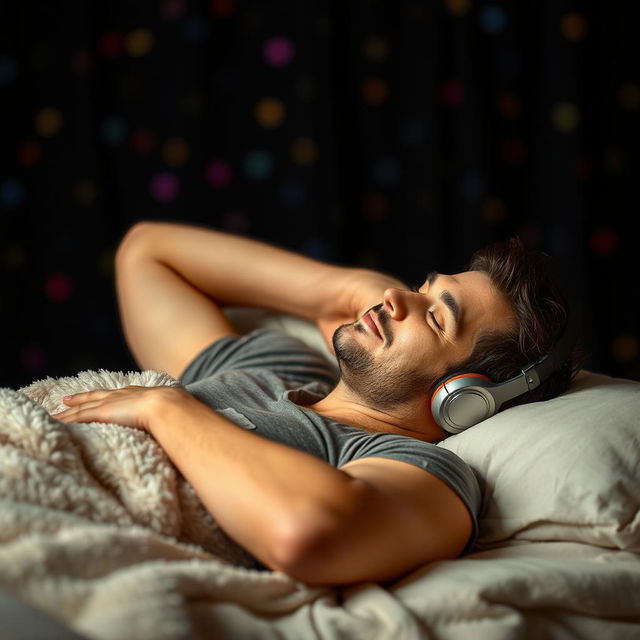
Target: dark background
[395, 135]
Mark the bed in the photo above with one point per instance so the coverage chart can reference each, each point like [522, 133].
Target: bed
[101, 537]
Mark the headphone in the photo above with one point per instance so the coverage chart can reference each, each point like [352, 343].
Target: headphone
[462, 400]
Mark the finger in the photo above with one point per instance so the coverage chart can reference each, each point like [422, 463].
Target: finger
[85, 396]
[86, 412]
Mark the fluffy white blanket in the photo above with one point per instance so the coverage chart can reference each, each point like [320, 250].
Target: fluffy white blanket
[98, 528]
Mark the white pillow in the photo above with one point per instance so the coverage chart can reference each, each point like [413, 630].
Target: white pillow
[564, 469]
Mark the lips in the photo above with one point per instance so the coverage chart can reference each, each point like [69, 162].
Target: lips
[368, 320]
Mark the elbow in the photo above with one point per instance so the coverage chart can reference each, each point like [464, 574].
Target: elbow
[133, 239]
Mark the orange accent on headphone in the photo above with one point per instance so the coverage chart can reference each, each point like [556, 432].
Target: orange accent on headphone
[462, 375]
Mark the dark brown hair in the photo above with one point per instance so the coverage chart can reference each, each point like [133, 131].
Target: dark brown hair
[540, 312]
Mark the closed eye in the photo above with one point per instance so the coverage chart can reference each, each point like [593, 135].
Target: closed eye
[433, 318]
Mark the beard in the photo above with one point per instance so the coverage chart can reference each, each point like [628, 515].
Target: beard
[381, 385]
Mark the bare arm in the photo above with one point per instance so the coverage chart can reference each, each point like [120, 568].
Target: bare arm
[238, 271]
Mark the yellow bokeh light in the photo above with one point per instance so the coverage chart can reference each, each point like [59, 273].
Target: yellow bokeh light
[566, 117]
[139, 42]
[494, 210]
[574, 27]
[304, 151]
[374, 91]
[48, 122]
[457, 7]
[175, 152]
[376, 49]
[625, 348]
[270, 113]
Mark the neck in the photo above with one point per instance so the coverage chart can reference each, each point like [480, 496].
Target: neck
[413, 419]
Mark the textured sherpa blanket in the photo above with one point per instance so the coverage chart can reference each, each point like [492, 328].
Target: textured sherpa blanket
[99, 529]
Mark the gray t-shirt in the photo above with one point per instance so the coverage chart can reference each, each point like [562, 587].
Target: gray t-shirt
[259, 381]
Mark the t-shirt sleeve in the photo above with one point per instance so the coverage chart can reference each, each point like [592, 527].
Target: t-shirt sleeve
[443, 464]
[289, 357]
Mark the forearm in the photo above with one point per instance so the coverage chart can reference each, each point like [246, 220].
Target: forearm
[238, 271]
[267, 496]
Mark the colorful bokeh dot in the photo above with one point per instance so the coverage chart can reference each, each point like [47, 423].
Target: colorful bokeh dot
[514, 151]
[374, 91]
[509, 105]
[292, 194]
[278, 51]
[143, 142]
[164, 187]
[574, 27]
[493, 18]
[33, 358]
[375, 207]
[8, 70]
[566, 117]
[111, 44]
[604, 242]
[530, 235]
[171, 10]
[258, 164]
[218, 174]
[58, 287]
[12, 193]
[139, 42]
[625, 348]
[175, 152]
[29, 153]
[114, 130]
[81, 62]
[451, 93]
[375, 49]
[48, 122]
[457, 7]
[270, 112]
[222, 8]
[196, 30]
[494, 210]
[304, 151]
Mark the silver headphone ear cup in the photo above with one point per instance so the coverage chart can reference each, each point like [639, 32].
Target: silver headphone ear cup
[462, 402]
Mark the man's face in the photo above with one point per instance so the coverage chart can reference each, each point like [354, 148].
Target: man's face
[400, 347]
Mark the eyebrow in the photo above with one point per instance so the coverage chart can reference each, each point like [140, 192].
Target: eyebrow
[446, 297]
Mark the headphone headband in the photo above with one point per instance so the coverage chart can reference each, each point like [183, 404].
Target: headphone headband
[464, 399]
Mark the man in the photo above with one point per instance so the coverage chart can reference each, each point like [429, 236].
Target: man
[329, 483]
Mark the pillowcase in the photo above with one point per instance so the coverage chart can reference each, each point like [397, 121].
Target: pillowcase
[563, 469]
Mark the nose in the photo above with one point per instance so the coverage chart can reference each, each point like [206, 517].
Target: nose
[394, 301]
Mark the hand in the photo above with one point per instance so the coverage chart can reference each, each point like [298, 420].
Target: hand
[131, 406]
[357, 291]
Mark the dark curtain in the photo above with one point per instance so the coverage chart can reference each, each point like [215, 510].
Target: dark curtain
[396, 135]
